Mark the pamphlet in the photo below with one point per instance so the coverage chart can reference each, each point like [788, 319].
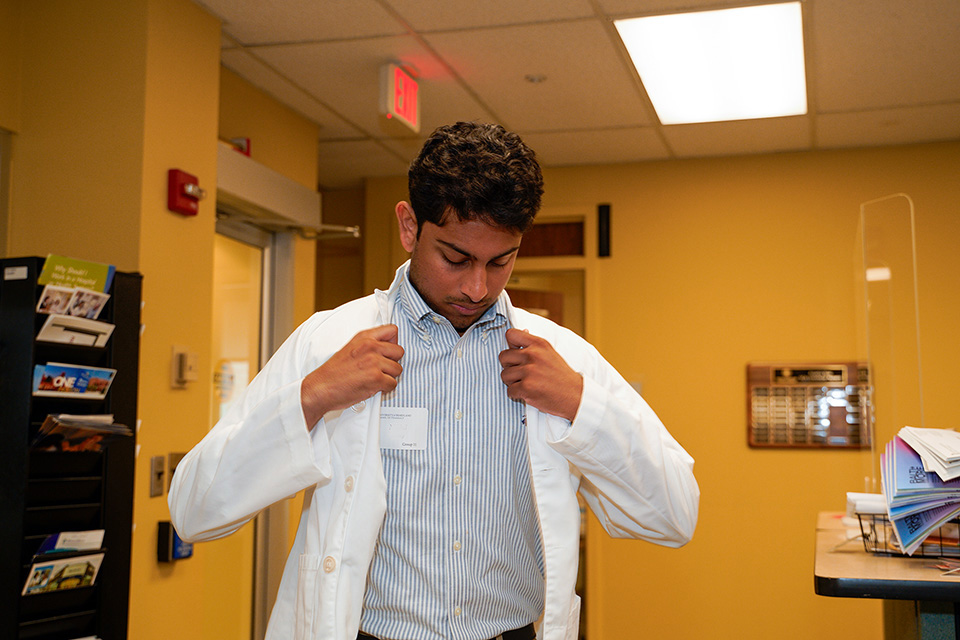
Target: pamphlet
[83, 303]
[71, 541]
[64, 573]
[55, 299]
[938, 448]
[71, 330]
[56, 379]
[71, 272]
[65, 432]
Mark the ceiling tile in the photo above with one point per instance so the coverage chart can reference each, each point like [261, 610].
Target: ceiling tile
[343, 164]
[272, 22]
[565, 148]
[889, 126]
[464, 14]
[586, 80]
[769, 135]
[885, 53]
[347, 76]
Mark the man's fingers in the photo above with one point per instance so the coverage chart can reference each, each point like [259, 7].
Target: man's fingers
[385, 332]
[518, 339]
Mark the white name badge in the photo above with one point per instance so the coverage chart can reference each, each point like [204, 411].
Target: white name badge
[403, 428]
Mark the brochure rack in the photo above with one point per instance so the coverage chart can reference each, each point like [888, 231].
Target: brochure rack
[43, 493]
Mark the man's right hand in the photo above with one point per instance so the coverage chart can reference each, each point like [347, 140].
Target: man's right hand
[369, 363]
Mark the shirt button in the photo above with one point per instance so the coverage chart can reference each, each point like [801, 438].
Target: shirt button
[458, 414]
[457, 611]
[460, 352]
[437, 320]
[357, 408]
[456, 545]
[348, 484]
[457, 479]
[329, 564]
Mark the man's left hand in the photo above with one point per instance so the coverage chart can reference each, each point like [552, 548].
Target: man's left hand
[535, 373]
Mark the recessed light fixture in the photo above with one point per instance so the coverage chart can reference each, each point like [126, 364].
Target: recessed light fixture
[728, 64]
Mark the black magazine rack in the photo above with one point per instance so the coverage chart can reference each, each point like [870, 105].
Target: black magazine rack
[43, 493]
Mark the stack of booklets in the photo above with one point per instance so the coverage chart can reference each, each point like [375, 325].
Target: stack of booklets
[920, 477]
[63, 432]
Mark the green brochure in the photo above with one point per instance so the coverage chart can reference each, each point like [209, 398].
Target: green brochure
[70, 272]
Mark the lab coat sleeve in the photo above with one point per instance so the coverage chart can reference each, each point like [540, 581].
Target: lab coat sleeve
[259, 453]
[636, 477]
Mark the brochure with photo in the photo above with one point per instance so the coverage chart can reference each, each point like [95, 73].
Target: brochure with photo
[55, 299]
[56, 379]
[86, 303]
[61, 574]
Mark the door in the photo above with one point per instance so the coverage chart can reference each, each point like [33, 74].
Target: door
[238, 268]
[249, 308]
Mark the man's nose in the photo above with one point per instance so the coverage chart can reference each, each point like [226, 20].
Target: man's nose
[475, 284]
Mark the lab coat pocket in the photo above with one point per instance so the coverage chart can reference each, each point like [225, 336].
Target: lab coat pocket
[308, 588]
[573, 620]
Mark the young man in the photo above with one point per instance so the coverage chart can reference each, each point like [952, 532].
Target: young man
[441, 434]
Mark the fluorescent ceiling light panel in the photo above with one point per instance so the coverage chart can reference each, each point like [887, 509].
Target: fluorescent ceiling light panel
[730, 64]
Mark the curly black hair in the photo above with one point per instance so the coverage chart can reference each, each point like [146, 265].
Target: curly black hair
[475, 171]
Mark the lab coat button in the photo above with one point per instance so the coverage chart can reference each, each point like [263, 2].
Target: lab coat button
[357, 408]
[348, 484]
[329, 564]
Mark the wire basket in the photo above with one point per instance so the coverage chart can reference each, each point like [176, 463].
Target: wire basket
[878, 537]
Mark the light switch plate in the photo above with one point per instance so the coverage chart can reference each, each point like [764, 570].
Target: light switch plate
[157, 469]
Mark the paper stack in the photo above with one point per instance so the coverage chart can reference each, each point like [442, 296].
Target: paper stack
[938, 448]
[919, 499]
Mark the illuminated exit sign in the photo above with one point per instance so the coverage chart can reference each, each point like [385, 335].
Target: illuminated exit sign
[399, 96]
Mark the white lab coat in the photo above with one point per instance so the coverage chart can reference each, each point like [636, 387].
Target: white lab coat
[634, 476]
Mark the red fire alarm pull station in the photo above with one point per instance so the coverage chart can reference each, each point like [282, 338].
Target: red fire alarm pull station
[183, 192]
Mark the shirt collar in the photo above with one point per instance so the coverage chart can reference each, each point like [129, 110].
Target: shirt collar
[414, 306]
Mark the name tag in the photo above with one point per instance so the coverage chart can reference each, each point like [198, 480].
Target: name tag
[403, 428]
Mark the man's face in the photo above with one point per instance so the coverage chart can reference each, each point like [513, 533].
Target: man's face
[459, 268]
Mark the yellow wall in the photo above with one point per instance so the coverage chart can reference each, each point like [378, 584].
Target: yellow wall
[182, 69]
[103, 98]
[281, 139]
[81, 131]
[717, 263]
[10, 64]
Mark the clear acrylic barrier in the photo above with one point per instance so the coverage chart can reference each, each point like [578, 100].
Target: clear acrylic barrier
[889, 322]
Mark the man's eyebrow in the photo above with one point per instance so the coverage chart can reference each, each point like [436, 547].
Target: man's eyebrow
[467, 254]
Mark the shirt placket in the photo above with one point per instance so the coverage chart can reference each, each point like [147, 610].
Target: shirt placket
[458, 531]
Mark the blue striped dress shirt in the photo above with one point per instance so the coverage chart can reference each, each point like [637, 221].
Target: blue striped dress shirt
[459, 554]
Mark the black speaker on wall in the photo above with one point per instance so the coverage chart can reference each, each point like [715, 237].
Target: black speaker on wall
[603, 230]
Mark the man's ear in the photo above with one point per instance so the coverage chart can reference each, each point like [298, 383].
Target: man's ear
[407, 221]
